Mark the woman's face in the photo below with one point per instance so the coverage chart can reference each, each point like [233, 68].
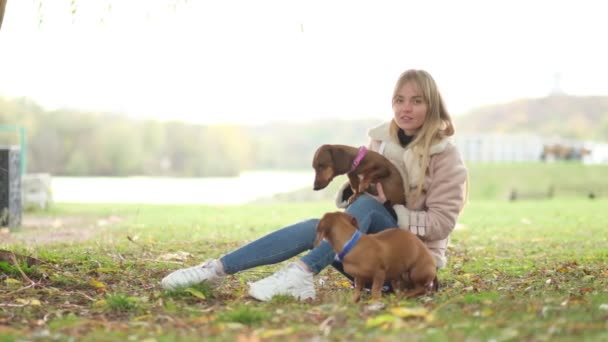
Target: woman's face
[410, 108]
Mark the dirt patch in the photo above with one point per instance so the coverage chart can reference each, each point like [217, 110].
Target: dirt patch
[48, 230]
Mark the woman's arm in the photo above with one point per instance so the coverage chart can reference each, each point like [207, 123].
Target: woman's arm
[445, 198]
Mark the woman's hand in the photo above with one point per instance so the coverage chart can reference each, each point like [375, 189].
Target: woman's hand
[381, 197]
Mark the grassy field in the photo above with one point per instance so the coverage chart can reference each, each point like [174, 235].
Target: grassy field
[498, 181]
[518, 271]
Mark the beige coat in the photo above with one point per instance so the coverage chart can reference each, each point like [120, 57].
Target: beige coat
[433, 217]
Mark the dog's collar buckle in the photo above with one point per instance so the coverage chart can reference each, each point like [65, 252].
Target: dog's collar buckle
[358, 158]
[349, 245]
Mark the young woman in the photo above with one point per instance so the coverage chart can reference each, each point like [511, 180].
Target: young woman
[416, 141]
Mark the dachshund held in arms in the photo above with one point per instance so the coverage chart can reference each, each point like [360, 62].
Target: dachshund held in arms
[330, 161]
[394, 255]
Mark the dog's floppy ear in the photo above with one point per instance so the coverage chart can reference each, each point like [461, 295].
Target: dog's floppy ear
[353, 221]
[318, 152]
[322, 227]
[342, 162]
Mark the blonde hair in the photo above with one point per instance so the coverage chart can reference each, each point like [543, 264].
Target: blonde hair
[437, 124]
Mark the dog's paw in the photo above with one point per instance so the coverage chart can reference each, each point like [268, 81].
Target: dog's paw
[353, 197]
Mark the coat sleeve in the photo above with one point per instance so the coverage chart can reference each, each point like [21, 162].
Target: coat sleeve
[443, 202]
[342, 196]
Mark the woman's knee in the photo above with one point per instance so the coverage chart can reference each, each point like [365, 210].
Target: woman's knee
[310, 228]
[370, 214]
[310, 223]
[362, 203]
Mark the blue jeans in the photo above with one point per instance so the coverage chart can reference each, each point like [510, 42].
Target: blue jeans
[292, 240]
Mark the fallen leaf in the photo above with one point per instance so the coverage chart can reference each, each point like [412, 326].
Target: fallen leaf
[545, 311]
[326, 325]
[232, 326]
[205, 319]
[196, 293]
[270, 333]
[487, 312]
[28, 301]
[11, 281]
[97, 284]
[100, 303]
[143, 318]
[177, 256]
[419, 312]
[383, 321]
[375, 306]
[345, 284]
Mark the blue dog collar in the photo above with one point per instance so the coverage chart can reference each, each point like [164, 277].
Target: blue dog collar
[348, 246]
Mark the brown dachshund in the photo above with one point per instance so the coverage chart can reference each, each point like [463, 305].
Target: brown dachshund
[333, 160]
[393, 255]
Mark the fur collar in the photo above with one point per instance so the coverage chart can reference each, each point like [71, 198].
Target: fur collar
[411, 157]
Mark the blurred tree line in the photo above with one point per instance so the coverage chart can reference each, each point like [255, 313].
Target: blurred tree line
[73, 143]
[565, 116]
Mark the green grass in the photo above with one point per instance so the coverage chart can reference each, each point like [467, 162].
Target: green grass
[244, 315]
[518, 271]
[568, 179]
[119, 302]
[10, 269]
[498, 181]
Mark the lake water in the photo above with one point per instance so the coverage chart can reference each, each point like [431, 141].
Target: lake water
[249, 186]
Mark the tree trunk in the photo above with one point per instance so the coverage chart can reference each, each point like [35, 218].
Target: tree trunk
[2, 7]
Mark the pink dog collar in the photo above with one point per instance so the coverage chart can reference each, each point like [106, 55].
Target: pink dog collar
[358, 158]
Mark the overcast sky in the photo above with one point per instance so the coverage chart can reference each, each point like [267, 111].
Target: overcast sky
[258, 61]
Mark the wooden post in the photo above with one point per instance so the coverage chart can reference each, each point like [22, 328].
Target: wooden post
[10, 187]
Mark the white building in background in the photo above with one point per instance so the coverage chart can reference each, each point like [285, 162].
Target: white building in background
[598, 153]
[494, 147]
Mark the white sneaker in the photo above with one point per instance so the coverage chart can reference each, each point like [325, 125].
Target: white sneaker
[209, 271]
[290, 280]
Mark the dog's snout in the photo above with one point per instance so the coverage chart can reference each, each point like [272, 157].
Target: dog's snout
[319, 184]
